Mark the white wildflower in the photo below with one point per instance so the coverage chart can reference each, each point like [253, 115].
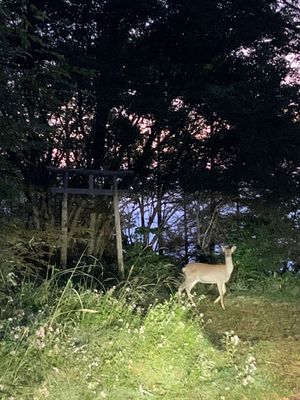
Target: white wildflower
[247, 380]
[251, 360]
[94, 364]
[40, 345]
[142, 330]
[235, 340]
[40, 332]
[93, 385]
[44, 392]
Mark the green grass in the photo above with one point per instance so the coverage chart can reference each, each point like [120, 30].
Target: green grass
[88, 345]
[267, 322]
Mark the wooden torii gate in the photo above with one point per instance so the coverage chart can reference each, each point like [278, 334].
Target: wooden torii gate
[65, 190]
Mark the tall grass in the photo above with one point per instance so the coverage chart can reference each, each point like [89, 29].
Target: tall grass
[82, 342]
[274, 287]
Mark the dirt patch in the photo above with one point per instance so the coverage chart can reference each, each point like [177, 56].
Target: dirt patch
[254, 318]
[270, 330]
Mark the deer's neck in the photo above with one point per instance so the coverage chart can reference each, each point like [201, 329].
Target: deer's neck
[229, 264]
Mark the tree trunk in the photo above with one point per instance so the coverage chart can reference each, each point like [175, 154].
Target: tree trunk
[143, 223]
[185, 227]
[159, 224]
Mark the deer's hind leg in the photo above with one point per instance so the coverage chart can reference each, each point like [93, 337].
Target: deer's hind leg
[187, 286]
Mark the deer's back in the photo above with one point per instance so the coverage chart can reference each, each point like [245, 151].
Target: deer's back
[206, 273]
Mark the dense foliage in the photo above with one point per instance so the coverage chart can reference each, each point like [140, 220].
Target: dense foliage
[193, 97]
[179, 91]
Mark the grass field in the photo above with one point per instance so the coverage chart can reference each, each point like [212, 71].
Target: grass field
[270, 329]
[89, 345]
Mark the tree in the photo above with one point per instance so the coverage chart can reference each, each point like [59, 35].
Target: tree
[189, 95]
[213, 90]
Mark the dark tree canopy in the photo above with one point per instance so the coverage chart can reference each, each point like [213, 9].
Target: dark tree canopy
[183, 92]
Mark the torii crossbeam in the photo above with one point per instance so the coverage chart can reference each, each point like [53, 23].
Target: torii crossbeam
[91, 191]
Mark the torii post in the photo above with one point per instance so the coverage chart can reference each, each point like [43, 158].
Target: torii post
[92, 191]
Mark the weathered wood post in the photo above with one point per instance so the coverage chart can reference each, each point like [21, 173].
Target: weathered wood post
[90, 191]
[64, 222]
[118, 228]
[91, 243]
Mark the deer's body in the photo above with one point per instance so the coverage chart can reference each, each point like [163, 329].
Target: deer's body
[208, 273]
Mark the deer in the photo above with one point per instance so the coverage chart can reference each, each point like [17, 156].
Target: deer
[209, 273]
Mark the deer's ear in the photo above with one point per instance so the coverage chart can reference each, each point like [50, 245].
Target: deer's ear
[233, 249]
[223, 248]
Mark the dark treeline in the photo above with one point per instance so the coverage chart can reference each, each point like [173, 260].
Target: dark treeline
[190, 95]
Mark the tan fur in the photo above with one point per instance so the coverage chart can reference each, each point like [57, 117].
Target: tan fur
[208, 273]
